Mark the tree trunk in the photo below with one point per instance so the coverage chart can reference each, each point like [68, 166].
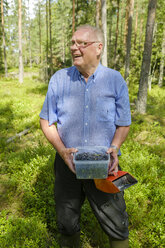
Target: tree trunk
[39, 25]
[152, 70]
[151, 74]
[143, 84]
[160, 83]
[104, 27]
[136, 24]
[63, 43]
[4, 41]
[47, 43]
[30, 50]
[117, 31]
[129, 34]
[50, 38]
[73, 17]
[20, 41]
[141, 31]
[121, 23]
[126, 23]
[1, 52]
[109, 38]
[97, 13]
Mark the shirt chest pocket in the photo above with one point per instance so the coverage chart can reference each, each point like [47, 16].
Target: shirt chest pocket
[105, 109]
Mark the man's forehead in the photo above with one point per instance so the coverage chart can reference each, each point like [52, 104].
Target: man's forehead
[83, 33]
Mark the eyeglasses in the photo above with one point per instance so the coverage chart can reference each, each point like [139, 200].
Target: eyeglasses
[82, 44]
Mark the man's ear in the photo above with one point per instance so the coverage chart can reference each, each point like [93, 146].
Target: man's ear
[99, 49]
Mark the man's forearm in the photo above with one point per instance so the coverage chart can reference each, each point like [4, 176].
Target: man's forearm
[120, 135]
[52, 135]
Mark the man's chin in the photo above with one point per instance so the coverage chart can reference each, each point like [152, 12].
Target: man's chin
[77, 63]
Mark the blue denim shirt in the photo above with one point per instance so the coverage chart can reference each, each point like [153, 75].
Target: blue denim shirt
[87, 113]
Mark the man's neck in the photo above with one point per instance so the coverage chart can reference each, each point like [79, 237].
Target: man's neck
[87, 72]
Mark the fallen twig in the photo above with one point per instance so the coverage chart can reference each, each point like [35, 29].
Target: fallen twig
[18, 135]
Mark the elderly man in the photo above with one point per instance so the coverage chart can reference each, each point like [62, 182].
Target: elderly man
[90, 104]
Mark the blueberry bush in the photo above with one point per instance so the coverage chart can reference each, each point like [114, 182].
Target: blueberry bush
[27, 209]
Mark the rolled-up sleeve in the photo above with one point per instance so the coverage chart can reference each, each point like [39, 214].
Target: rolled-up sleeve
[123, 113]
[49, 109]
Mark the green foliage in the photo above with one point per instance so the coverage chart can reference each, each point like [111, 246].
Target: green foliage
[23, 232]
[27, 211]
[85, 12]
[27, 175]
[156, 103]
[62, 24]
[27, 207]
[61, 32]
[143, 156]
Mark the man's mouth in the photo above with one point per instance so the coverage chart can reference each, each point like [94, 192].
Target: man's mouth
[76, 56]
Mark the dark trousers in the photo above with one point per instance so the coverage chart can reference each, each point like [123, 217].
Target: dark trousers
[70, 193]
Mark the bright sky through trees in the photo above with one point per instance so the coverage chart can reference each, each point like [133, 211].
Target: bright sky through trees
[31, 4]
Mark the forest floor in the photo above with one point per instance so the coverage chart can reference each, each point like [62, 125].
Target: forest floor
[27, 213]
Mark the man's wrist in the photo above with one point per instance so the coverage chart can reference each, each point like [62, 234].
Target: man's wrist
[115, 147]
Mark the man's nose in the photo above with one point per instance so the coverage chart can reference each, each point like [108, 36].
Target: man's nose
[74, 46]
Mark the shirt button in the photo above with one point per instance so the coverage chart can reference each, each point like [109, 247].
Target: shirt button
[86, 89]
[86, 106]
[86, 124]
[85, 141]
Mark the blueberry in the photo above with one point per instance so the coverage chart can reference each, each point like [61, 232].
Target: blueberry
[91, 156]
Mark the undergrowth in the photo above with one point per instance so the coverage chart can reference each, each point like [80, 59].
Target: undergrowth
[27, 210]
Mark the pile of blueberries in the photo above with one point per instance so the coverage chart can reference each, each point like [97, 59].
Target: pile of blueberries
[91, 156]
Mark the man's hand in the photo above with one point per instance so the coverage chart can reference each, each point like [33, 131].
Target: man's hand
[53, 137]
[118, 139]
[67, 156]
[114, 161]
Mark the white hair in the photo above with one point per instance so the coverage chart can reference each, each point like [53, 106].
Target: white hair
[96, 31]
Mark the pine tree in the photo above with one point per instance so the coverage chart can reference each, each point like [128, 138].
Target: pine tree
[39, 26]
[104, 27]
[50, 38]
[4, 40]
[160, 83]
[20, 41]
[117, 31]
[97, 13]
[143, 84]
[73, 17]
[128, 40]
